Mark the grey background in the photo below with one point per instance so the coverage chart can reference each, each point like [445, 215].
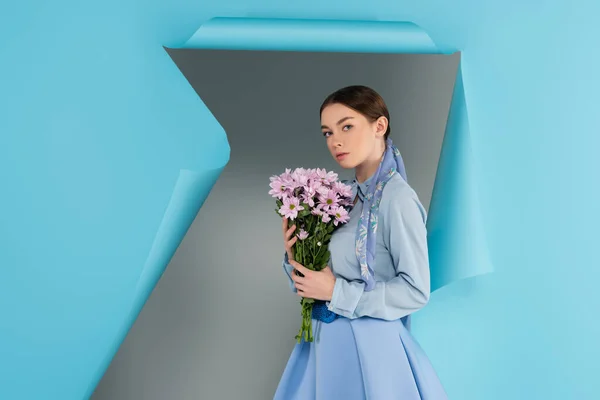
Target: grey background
[221, 322]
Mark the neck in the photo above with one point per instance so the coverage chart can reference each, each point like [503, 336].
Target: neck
[370, 165]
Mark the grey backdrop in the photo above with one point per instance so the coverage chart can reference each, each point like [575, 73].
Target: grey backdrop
[221, 322]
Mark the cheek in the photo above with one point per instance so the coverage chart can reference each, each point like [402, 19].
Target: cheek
[360, 141]
[329, 143]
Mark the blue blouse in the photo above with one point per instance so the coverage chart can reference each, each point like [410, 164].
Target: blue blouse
[401, 260]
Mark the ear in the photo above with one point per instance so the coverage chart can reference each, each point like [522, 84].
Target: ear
[381, 126]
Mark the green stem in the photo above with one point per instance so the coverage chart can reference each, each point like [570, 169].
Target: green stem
[306, 328]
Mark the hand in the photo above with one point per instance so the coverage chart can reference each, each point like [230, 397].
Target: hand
[316, 285]
[287, 242]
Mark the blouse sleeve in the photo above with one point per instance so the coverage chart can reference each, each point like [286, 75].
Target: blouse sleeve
[288, 268]
[405, 237]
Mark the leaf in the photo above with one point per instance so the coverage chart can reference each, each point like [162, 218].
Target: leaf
[318, 262]
[323, 260]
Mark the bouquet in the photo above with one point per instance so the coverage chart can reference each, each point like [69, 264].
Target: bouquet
[319, 203]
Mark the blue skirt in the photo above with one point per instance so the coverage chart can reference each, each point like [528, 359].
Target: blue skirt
[358, 359]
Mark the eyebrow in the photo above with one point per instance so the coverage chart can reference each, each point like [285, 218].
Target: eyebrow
[339, 122]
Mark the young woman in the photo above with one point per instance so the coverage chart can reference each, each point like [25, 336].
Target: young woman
[378, 273]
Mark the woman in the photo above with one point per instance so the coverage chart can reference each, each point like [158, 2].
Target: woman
[377, 275]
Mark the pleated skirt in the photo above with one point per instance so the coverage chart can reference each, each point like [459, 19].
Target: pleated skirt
[359, 359]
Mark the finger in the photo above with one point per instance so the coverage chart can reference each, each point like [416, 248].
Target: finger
[297, 278]
[289, 232]
[284, 223]
[292, 229]
[289, 247]
[291, 242]
[305, 271]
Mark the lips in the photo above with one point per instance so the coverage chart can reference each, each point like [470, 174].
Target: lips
[341, 156]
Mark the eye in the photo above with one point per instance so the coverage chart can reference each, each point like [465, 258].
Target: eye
[325, 133]
[347, 126]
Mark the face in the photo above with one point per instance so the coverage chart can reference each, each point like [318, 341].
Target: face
[351, 138]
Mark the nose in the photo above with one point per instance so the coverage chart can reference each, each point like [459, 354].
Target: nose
[335, 140]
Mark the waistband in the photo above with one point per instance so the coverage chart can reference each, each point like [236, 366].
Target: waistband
[321, 313]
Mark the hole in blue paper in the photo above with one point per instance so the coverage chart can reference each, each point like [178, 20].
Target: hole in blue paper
[268, 103]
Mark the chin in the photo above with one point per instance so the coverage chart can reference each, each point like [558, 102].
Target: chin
[346, 164]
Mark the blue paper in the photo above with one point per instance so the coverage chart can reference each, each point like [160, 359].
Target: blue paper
[313, 35]
[99, 189]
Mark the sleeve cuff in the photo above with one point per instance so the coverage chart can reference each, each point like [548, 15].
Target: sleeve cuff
[289, 268]
[345, 298]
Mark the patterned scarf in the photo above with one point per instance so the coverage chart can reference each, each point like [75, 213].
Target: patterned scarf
[366, 233]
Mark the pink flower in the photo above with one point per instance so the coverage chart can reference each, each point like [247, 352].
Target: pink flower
[319, 190]
[340, 214]
[318, 210]
[300, 177]
[342, 189]
[326, 177]
[308, 196]
[287, 175]
[323, 190]
[330, 200]
[326, 217]
[312, 174]
[290, 207]
[347, 201]
[302, 235]
[278, 187]
[314, 185]
[320, 173]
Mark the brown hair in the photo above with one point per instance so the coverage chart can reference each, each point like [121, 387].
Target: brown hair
[362, 99]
